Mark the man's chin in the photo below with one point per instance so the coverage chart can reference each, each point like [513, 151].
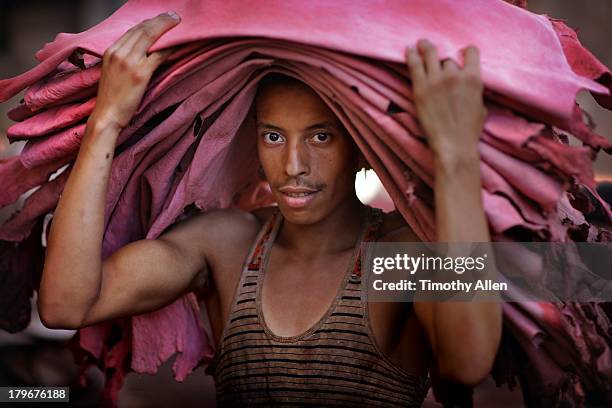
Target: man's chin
[308, 214]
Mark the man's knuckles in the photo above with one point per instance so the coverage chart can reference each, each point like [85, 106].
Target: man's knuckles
[119, 58]
[458, 78]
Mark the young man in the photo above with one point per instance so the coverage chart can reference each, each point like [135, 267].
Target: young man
[303, 338]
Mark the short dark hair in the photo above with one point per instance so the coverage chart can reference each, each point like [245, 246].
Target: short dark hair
[277, 78]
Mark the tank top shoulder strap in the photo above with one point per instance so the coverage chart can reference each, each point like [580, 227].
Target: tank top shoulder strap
[262, 242]
[375, 221]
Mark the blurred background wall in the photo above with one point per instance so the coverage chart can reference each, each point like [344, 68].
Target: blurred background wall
[25, 26]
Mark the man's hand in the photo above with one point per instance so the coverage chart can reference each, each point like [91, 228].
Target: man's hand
[127, 69]
[448, 100]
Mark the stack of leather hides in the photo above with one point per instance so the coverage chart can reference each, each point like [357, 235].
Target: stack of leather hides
[191, 147]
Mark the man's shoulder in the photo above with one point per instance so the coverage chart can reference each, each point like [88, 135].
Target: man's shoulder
[230, 223]
[257, 217]
[396, 229]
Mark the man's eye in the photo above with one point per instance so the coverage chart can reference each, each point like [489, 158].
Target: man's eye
[272, 137]
[321, 137]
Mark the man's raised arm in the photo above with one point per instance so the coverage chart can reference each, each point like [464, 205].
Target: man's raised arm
[451, 112]
[77, 288]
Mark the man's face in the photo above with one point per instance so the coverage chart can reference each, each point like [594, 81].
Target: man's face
[307, 155]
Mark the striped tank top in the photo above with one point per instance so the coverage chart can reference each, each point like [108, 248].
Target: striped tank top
[334, 363]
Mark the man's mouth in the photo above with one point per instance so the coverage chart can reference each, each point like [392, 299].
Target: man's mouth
[300, 194]
[297, 197]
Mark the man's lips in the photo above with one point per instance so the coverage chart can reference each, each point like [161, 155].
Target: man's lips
[297, 190]
[297, 197]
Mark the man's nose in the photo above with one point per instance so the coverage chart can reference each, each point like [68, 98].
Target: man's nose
[296, 160]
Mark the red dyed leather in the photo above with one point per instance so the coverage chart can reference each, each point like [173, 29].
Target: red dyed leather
[160, 170]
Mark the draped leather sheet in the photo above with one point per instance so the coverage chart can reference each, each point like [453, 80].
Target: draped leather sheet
[191, 147]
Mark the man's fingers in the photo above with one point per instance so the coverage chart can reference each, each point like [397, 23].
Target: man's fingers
[415, 66]
[126, 43]
[137, 40]
[430, 55]
[152, 29]
[471, 60]
[157, 58]
[127, 38]
[449, 66]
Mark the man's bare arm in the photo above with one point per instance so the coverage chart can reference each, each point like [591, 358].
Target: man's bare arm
[146, 275]
[73, 291]
[451, 112]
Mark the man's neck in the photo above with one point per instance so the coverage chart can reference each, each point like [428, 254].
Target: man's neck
[336, 232]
